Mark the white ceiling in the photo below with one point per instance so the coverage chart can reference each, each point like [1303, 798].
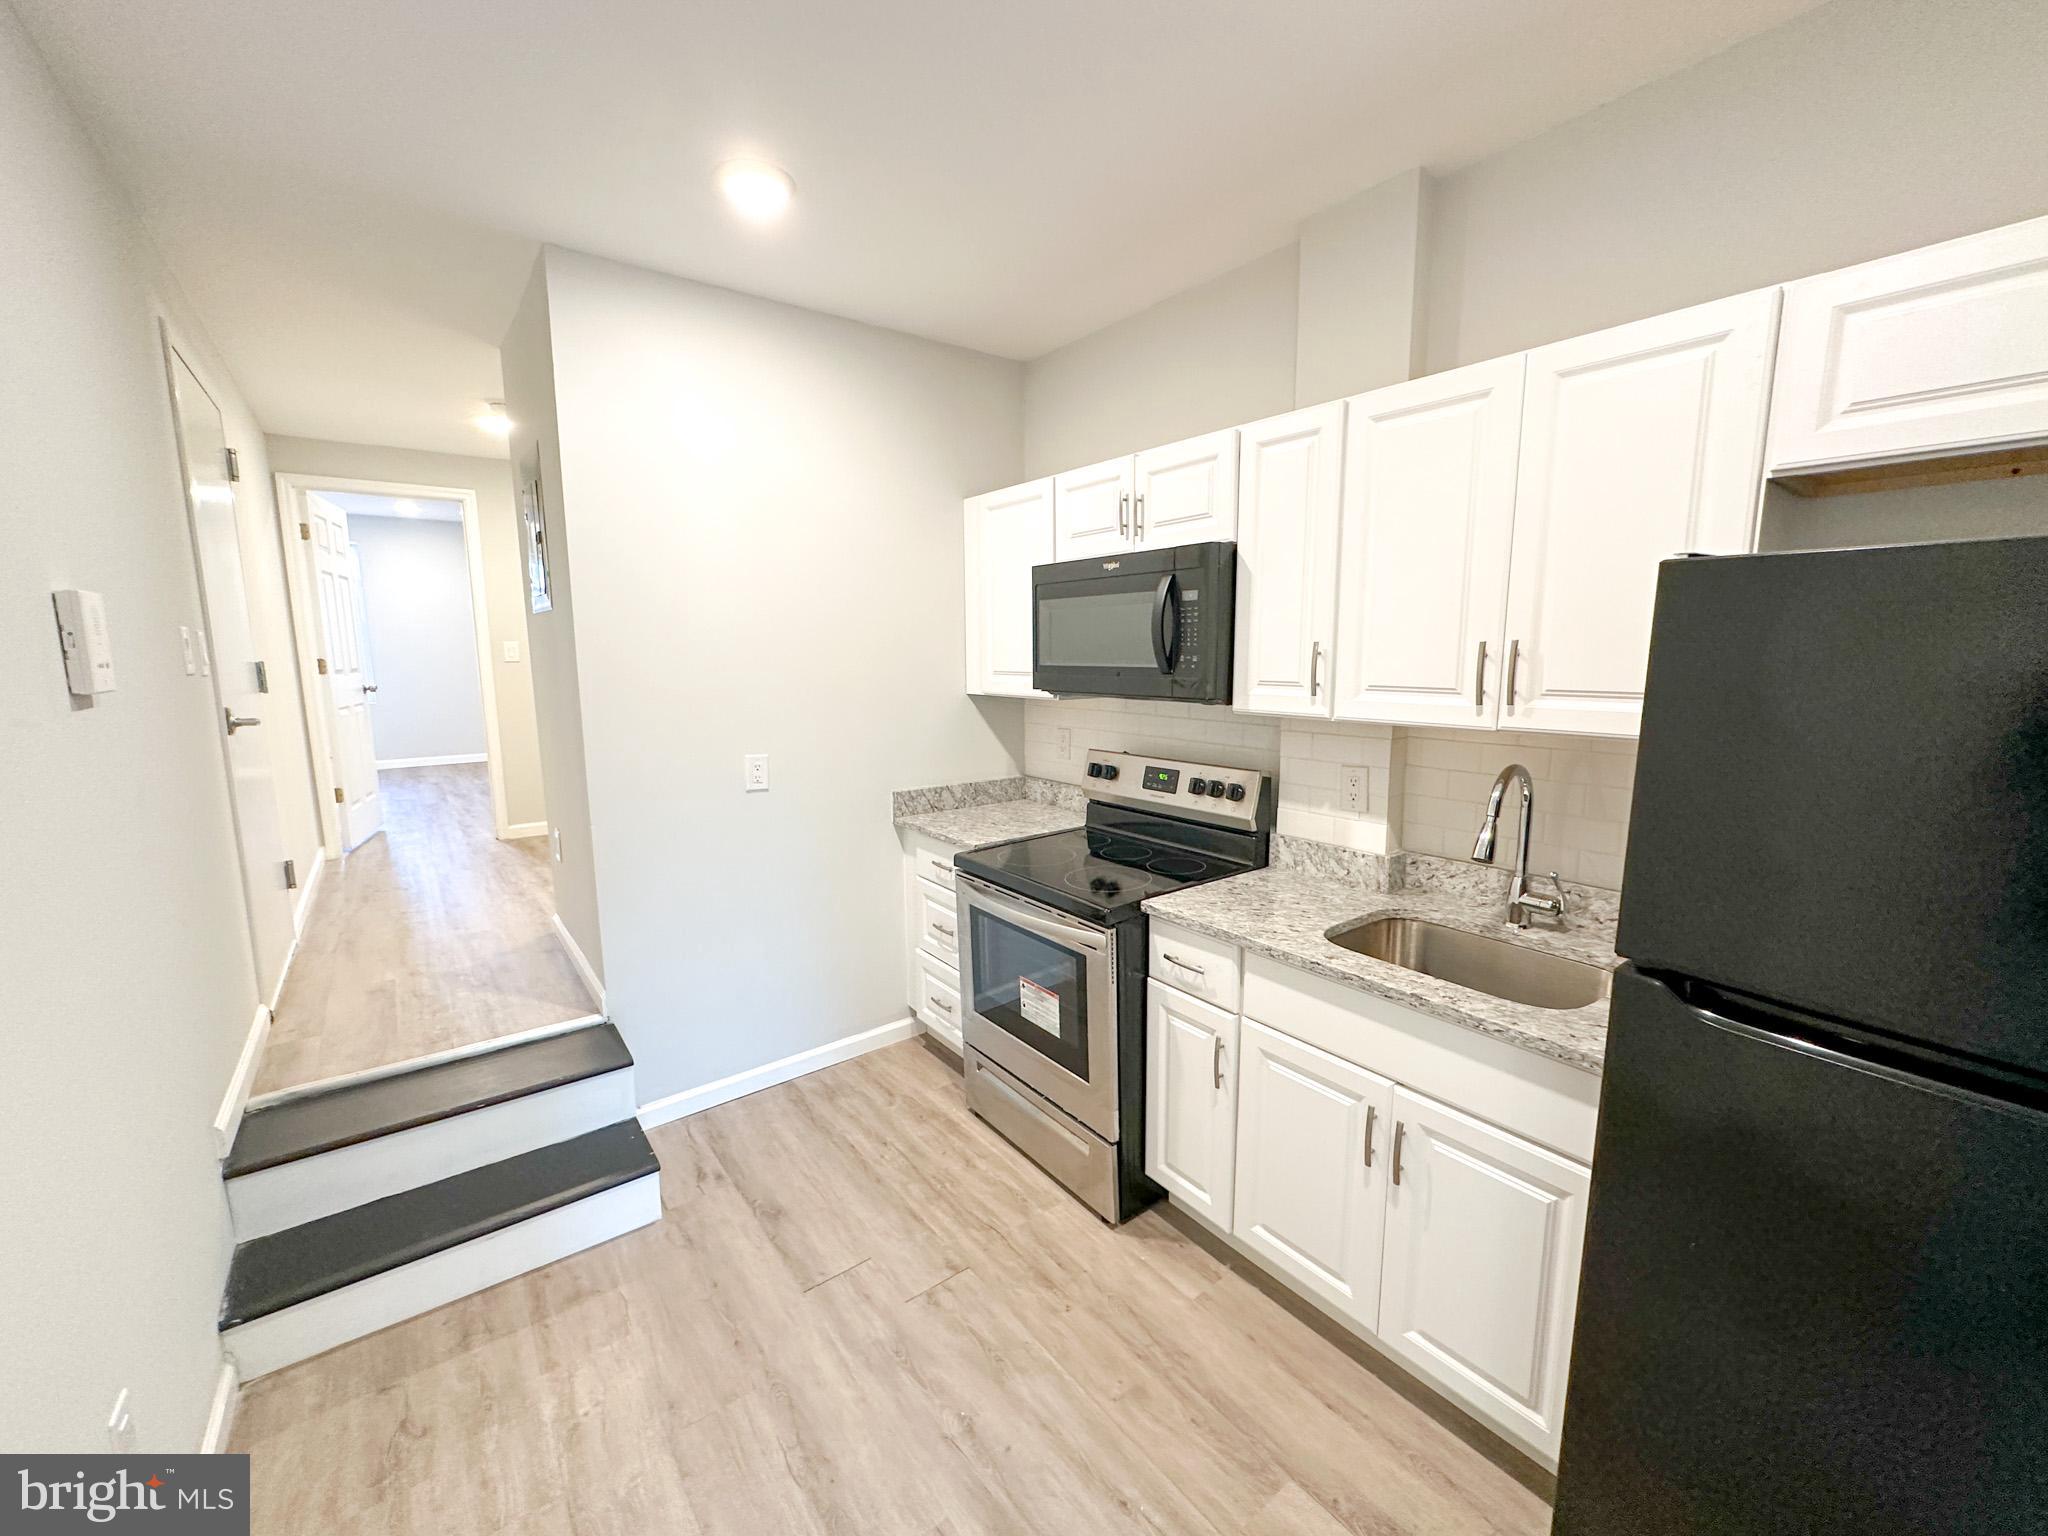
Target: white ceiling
[352, 195]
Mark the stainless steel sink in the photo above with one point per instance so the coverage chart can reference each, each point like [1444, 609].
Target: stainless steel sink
[1493, 966]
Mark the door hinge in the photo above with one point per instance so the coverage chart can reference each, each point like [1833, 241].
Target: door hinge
[262, 677]
[337, 796]
[291, 875]
[305, 530]
[321, 662]
[234, 465]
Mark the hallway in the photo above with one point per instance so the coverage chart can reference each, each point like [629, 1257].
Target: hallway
[431, 936]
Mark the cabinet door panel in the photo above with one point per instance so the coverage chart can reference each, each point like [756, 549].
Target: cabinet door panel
[1092, 510]
[1191, 1100]
[1186, 493]
[1007, 533]
[1312, 1133]
[1942, 350]
[1290, 481]
[1484, 1232]
[1638, 444]
[1429, 507]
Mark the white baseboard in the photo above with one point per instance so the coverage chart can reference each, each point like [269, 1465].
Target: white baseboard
[229, 1119]
[433, 1058]
[304, 909]
[518, 829]
[430, 762]
[220, 1419]
[290, 1194]
[591, 982]
[692, 1101]
[316, 1326]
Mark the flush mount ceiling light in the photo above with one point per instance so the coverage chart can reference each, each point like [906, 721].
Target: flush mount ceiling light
[492, 419]
[757, 190]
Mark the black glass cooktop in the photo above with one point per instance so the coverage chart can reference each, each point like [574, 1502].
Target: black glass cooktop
[1095, 872]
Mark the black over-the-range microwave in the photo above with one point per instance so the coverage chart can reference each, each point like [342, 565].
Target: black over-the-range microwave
[1150, 624]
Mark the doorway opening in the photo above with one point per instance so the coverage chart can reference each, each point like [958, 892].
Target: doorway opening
[432, 933]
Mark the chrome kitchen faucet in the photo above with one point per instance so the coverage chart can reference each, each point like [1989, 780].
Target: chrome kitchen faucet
[1521, 901]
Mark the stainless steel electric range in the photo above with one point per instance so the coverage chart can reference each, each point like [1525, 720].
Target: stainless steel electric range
[1053, 959]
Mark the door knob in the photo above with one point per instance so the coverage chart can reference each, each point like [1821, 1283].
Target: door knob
[236, 722]
[369, 687]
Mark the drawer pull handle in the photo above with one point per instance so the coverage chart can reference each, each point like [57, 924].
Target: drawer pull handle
[1219, 1061]
[1172, 959]
[941, 1004]
[942, 928]
[1372, 1116]
[1400, 1133]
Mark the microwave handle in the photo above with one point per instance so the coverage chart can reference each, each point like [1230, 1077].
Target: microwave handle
[1166, 623]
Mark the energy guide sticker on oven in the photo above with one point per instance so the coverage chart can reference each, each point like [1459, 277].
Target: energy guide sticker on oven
[1040, 1006]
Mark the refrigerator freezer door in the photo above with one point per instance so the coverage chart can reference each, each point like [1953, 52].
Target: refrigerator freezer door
[1813, 1294]
[1841, 794]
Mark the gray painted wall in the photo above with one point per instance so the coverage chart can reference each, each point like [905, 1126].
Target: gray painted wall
[422, 638]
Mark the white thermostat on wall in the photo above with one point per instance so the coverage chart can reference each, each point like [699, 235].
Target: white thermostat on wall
[88, 653]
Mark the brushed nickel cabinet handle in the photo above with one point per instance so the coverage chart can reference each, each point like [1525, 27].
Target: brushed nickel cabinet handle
[1315, 668]
[942, 1005]
[1172, 959]
[1372, 1118]
[1138, 517]
[1400, 1134]
[1218, 1063]
[942, 928]
[1479, 678]
[1123, 516]
[1507, 687]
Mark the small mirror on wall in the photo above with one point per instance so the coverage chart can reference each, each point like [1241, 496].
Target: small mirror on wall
[534, 522]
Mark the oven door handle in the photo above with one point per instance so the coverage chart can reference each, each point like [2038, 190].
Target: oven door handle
[1031, 917]
[1166, 623]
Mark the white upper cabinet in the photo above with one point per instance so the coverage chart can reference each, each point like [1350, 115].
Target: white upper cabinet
[1191, 1100]
[1429, 509]
[1312, 1134]
[1186, 493]
[1007, 533]
[1638, 444]
[1483, 1238]
[1937, 351]
[1092, 510]
[1290, 482]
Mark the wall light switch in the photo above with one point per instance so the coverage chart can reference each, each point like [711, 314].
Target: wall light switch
[185, 645]
[511, 650]
[757, 772]
[555, 837]
[1355, 791]
[82, 631]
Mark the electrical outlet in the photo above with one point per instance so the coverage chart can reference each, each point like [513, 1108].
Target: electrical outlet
[121, 1427]
[1356, 789]
[756, 772]
[1066, 743]
[511, 650]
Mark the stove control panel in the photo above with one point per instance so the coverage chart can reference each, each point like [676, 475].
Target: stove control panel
[1228, 796]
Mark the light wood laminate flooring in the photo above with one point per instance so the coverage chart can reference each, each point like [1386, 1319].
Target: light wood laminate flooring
[431, 935]
[864, 1312]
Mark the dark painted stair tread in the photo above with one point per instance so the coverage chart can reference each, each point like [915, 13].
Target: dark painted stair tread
[358, 1112]
[299, 1263]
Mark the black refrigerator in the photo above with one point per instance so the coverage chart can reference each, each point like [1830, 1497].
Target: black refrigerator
[1815, 1292]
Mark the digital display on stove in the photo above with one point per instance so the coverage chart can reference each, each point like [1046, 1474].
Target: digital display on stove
[1165, 780]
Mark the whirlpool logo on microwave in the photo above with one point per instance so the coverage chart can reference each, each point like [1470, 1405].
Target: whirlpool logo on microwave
[1112, 565]
[182, 1496]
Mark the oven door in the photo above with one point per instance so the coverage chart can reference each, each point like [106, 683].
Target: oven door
[1040, 990]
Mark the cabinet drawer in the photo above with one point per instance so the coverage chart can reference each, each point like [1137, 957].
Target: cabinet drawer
[1198, 965]
[938, 922]
[938, 998]
[931, 859]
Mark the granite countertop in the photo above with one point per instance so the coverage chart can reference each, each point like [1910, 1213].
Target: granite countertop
[1286, 913]
[990, 810]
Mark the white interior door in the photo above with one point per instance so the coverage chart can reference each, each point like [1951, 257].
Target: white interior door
[1484, 1232]
[1290, 482]
[338, 613]
[1007, 533]
[1092, 510]
[1429, 512]
[1186, 493]
[1638, 444]
[1312, 1134]
[240, 700]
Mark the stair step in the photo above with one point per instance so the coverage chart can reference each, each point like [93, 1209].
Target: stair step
[303, 1263]
[329, 1119]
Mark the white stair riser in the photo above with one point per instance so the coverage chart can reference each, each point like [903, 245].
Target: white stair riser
[292, 1194]
[315, 1326]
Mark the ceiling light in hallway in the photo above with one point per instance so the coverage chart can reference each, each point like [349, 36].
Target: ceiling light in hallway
[757, 190]
[492, 419]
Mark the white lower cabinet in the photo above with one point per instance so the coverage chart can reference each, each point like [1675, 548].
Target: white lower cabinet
[1191, 1100]
[1481, 1273]
[938, 998]
[1310, 1185]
